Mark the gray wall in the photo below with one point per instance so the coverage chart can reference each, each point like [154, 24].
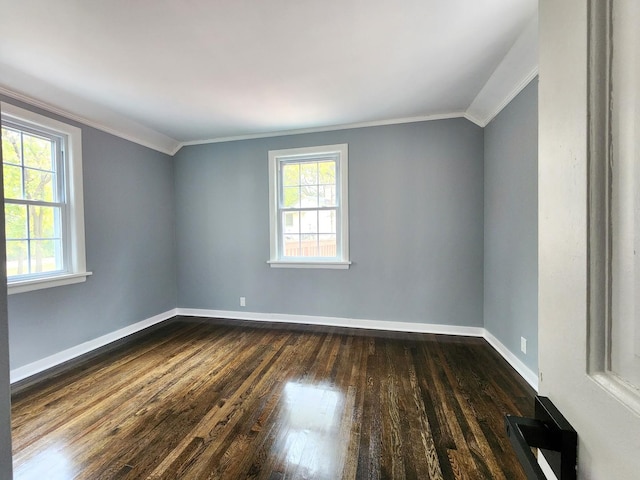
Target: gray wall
[422, 244]
[416, 227]
[130, 243]
[511, 225]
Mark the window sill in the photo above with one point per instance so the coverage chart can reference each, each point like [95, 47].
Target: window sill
[47, 282]
[299, 264]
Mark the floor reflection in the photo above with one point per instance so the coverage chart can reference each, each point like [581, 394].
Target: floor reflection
[311, 423]
[50, 464]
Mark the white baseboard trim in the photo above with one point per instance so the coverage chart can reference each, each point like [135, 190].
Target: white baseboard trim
[336, 322]
[70, 353]
[525, 372]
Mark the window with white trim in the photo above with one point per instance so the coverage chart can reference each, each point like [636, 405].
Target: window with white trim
[43, 201]
[309, 214]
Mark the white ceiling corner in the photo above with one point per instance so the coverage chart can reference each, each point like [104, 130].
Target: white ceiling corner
[103, 119]
[517, 69]
[168, 74]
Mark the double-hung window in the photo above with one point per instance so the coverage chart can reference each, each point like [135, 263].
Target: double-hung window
[309, 207]
[44, 215]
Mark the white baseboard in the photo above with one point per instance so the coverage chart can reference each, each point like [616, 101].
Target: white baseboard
[70, 353]
[525, 372]
[336, 322]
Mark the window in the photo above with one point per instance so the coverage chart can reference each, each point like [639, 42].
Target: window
[44, 214]
[309, 207]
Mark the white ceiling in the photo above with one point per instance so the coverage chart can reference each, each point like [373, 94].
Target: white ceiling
[169, 72]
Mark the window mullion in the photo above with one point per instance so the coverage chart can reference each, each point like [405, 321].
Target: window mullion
[28, 241]
[62, 195]
[36, 203]
[50, 166]
[299, 179]
[22, 173]
[307, 209]
[50, 241]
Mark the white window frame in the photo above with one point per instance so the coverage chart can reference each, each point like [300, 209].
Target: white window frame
[76, 270]
[276, 159]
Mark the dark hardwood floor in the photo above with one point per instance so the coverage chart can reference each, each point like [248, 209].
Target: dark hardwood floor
[208, 400]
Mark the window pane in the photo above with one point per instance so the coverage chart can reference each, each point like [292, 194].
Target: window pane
[12, 181]
[45, 256]
[38, 185]
[291, 245]
[308, 197]
[309, 246]
[327, 221]
[309, 222]
[38, 152]
[17, 261]
[15, 221]
[44, 222]
[327, 246]
[290, 174]
[291, 197]
[327, 173]
[306, 194]
[34, 173]
[291, 222]
[11, 146]
[327, 196]
[309, 173]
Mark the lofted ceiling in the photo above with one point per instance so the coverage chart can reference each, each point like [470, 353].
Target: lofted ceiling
[166, 73]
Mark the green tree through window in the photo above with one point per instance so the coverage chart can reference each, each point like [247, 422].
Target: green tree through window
[308, 209]
[43, 200]
[33, 201]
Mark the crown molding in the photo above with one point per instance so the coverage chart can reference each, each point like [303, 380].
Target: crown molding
[164, 144]
[509, 96]
[473, 119]
[516, 70]
[330, 128]
[144, 136]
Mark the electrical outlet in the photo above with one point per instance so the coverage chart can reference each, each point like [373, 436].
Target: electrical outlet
[523, 344]
[243, 302]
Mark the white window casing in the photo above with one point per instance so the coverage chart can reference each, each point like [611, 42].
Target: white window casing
[74, 270]
[323, 241]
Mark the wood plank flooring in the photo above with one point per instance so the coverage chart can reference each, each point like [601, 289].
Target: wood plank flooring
[216, 400]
